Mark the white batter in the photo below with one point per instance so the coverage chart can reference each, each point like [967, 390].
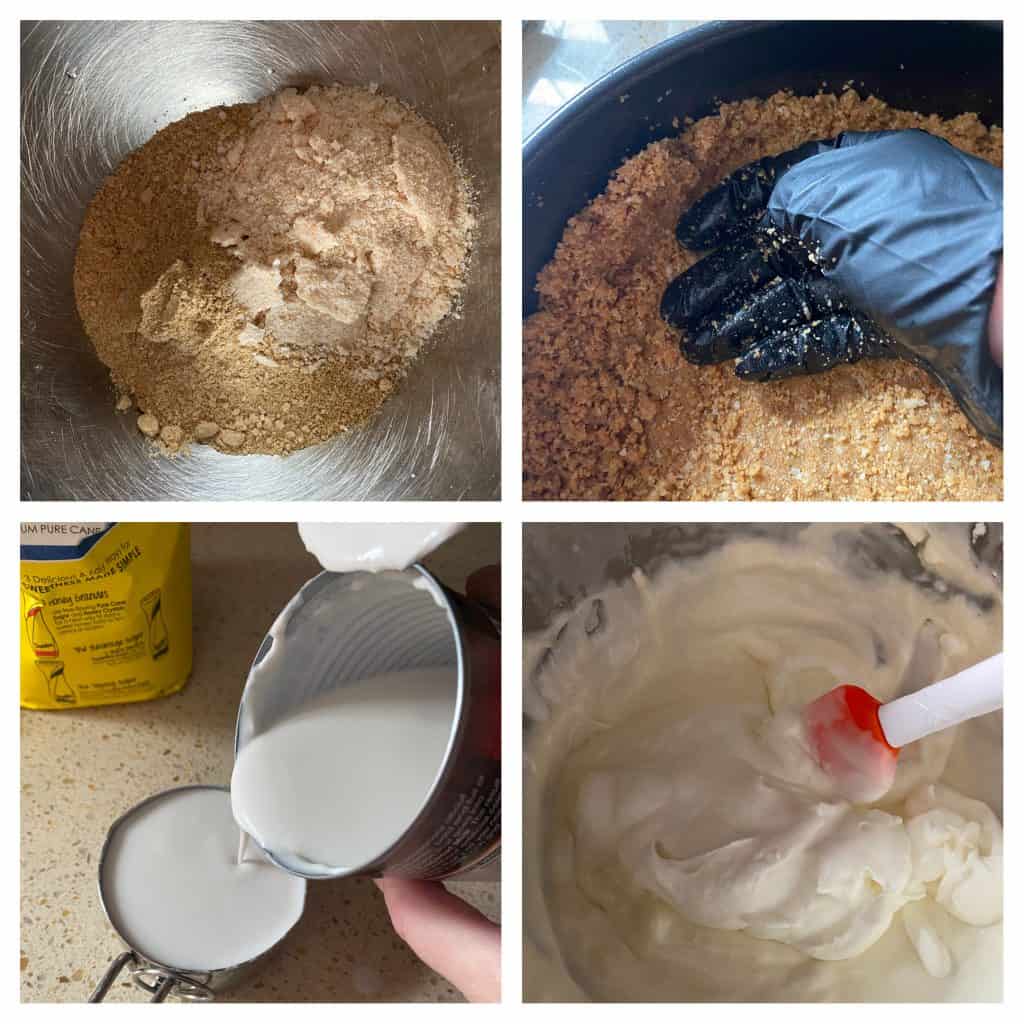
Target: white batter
[337, 783]
[174, 888]
[681, 842]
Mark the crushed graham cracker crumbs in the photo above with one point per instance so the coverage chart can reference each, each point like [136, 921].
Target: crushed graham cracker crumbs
[611, 409]
[262, 277]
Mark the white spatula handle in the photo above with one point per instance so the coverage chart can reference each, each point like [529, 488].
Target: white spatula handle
[975, 691]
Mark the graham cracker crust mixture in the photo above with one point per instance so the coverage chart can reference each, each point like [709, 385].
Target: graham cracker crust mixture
[263, 276]
[611, 409]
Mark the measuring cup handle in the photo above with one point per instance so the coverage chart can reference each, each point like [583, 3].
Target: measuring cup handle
[164, 988]
[116, 966]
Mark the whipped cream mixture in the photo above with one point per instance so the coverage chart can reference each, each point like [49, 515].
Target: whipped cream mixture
[682, 843]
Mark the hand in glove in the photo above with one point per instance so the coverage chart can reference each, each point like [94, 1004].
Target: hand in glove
[869, 245]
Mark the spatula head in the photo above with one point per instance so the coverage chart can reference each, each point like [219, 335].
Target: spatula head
[848, 741]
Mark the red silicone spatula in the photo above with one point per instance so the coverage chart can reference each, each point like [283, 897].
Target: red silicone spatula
[857, 739]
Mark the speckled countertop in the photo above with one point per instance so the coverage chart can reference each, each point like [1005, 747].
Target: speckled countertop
[81, 769]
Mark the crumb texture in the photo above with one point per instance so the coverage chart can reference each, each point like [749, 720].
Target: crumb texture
[612, 411]
[261, 277]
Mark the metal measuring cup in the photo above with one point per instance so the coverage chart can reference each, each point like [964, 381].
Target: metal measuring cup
[342, 628]
[163, 980]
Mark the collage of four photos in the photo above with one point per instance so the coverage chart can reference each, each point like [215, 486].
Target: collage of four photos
[269, 298]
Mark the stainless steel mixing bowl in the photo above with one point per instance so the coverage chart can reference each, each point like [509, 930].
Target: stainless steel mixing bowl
[94, 91]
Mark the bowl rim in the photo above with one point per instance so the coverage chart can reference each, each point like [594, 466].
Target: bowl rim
[655, 58]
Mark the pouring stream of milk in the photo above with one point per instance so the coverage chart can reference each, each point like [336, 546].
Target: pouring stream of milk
[244, 844]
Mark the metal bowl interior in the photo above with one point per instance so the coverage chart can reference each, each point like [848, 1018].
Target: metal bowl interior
[94, 91]
[946, 68]
[564, 564]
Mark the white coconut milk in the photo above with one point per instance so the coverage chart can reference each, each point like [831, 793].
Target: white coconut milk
[373, 547]
[338, 782]
[175, 891]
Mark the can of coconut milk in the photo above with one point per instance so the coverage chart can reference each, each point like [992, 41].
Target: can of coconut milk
[343, 631]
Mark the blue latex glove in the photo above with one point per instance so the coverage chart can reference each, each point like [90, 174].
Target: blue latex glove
[869, 245]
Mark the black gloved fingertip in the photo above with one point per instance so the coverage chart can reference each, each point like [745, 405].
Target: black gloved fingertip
[691, 230]
[673, 303]
[754, 366]
[704, 348]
